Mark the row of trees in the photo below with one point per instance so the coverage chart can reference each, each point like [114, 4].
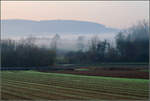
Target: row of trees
[131, 45]
[25, 54]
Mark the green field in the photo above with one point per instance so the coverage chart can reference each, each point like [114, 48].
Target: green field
[53, 86]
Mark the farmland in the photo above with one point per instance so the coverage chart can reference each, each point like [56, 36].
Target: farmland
[139, 73]
[32, 85]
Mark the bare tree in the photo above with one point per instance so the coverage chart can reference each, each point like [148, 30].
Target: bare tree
[80, 43]
[54, 42]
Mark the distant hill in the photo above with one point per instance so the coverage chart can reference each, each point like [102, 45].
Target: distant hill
[25, 27]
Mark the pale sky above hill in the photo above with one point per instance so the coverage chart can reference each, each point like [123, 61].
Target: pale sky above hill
[117, 14]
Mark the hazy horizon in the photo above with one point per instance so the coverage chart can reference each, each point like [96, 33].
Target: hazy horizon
[116, 14]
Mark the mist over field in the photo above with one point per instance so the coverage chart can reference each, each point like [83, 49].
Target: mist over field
[66, 41]
[68, 31]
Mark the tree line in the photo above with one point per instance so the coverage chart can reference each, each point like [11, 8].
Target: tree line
[25, 54]
[131, 45]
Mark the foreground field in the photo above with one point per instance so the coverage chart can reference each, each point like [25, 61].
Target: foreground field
[54, 86]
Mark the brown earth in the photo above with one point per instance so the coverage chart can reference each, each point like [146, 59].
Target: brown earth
[109, 73]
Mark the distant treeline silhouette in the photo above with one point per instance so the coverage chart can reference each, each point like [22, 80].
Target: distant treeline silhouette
[25, 54]
[132, 45]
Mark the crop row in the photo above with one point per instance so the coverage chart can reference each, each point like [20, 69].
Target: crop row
[35, 85]
[36, 91]
[101, 85]
[30, 85]
[94, 89]
[115, 85]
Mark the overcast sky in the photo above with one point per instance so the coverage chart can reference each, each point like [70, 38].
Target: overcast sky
[118, 14]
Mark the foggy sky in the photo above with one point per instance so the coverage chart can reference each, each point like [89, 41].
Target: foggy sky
[117, 14]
